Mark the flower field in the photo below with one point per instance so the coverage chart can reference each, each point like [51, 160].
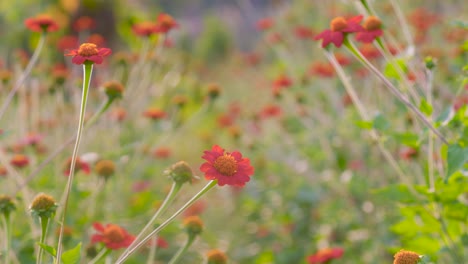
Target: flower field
[249, 132]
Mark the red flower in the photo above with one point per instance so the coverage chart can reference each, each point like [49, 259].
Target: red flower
[84, 23]
[19, 161]
[372, 30]
[145, 29]
[264, 23]
[88, 52]
[338, 28]
[67, 42]
[165, 23]
[113, 236]
[41, 23]
[323, 69]
[422, 19]
[228, 168]
[270, 111]
[96, 39]
[325, 255]
[281, 82]
[79, 166]
[369, 51]
[303, 32]
[162, 153]
[154, 113]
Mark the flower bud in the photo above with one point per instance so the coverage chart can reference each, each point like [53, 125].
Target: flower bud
[193, 225]
[180, 172]
[105, 168]
[216, 256]
[6, 205]
[43, 205]
[113, 90]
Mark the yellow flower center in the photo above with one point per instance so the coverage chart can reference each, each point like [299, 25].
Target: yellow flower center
[338, 24]
[87, 50]
[372, 23]
[226, 165]
[114, 233]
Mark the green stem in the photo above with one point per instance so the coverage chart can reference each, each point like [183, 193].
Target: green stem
[44, 225]
[104, 252]
[101, 110]
[205, 189]
[7, 228]
[25, 74]
[182, 250]
[393, 89]
[87, 72]
[169, 198]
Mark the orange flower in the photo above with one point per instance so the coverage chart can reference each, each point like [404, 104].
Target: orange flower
[84, 23]
[372, 30]
[406, 257]
[325, 255]
[264, 23]
[88, 52]
[67, 42]
[165, 23]
[162, 153]
[270, 111]
[19, 161]
[41, 23]
[303, 32]
[228, 168]
[154, 113]
[145, 29]
[323, 69]
[113, 236]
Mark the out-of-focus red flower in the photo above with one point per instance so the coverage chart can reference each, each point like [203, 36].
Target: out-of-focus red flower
[460, 101]
[282, 82]
[195, 209]
[41, 23]
[67, 42]
[3, 171]
[252, 58]
[97, 39]
[325, 255]
[322, 69]
[422, 19]
[303, 32]
[339, 26]
[270, 111]
[168, 43]
[31, 139]
[160, 242]
[226, 167]
[112, 236]
[165, 23]
[140, 186]
[60, 73]
[79, 166]
[162, 152]
[88, 52]
[19, 161]
[264, 23]
[84, 23]
[408, 153]
[118, 114]
[145, 29]
[342, 59]
[372, 30]
[369, 51]
[155, 113]
[274, 38]
[225, 120]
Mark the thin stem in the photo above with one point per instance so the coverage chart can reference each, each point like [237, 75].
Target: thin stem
[393, 89]
[169, 198]
[44, 225]
[403, 23]
[87, 72]
[25, 74]
[430, 154]
[205, 189]
[182, 250]
[7, 231]
[104, 252]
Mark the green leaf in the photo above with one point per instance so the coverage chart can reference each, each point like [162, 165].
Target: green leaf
[457, 156]
[425, 107]
[398, 192]
[445, 117]
[364, 124]
[408, 139]
[391, 72]
[380, 123]
[49, 249]
[72, 256]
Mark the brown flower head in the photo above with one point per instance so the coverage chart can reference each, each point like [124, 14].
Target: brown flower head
[406, 257]
[43, 205]
[113, 90]
[193, 225]
[216, 256]
[105, 168]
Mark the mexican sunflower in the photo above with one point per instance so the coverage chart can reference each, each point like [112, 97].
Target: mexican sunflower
[372, 30]
[113, 236]
[41, 23]
[325, 255]
[339, 27]
[227, 167]
[88, 52]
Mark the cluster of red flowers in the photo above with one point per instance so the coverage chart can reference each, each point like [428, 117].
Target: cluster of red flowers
[163, 24]
[341, 27]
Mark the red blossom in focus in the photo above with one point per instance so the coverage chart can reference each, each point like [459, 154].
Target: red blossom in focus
[339, 26]
[325, 255]
[41, 23]
[372, 30]
[88, 52]
[303, 32]
[264, 24]
[84, 23]
[165, 23]
[113, 236]
[145, 29]
[226, 167]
